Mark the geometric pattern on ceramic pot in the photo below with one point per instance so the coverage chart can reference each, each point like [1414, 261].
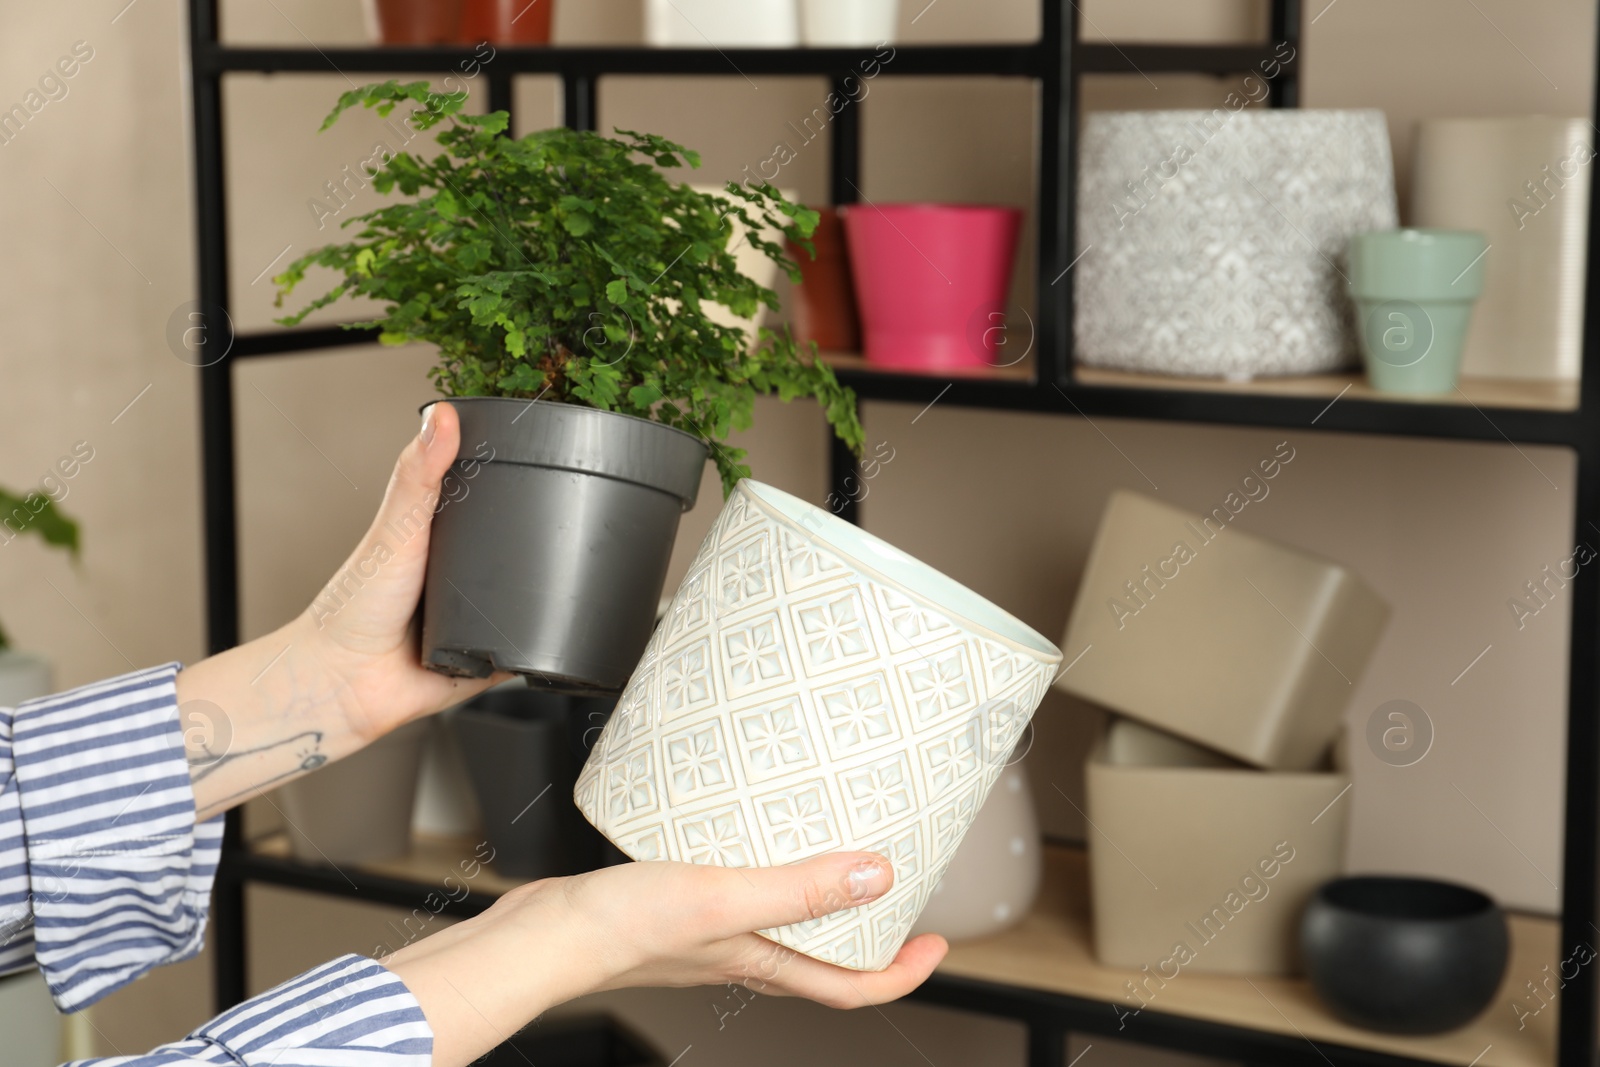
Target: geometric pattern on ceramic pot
[794, 702]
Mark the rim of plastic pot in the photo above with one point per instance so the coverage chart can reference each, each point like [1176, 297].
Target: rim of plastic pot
[545, 433]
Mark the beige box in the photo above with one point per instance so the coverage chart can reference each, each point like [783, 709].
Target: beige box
[1524, 183]
[1198, 863]
[1229, 640]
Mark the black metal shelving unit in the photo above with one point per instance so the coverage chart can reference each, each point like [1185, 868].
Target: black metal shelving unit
[1056, 62]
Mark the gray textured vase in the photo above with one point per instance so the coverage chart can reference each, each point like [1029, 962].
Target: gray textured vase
[1211, 243]
[551, 546]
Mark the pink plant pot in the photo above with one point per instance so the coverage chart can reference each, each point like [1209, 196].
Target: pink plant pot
[931, 281]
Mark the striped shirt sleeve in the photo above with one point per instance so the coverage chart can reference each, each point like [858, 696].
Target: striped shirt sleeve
[103, 872]
[352, 1012]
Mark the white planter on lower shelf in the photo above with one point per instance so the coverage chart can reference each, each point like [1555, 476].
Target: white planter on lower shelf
[721, 23]
[359, 809]
[23, 676]
[994, 878]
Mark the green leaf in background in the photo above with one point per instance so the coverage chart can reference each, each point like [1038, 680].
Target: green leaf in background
[511, 252]
[35, 514]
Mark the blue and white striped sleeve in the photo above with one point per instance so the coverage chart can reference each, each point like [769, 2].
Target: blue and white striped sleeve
[352, 1012]
[103, 872]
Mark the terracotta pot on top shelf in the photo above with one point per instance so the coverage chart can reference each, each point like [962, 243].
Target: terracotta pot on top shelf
[825, 311]
[507, 21]
[413, 22]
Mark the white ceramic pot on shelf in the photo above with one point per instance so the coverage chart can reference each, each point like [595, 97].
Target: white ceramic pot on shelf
[1212, 242]
[1524, 184]
[847, 23]
[994, 878]
[445, 805]
[813, 689]
[721, 23]
[360, 808]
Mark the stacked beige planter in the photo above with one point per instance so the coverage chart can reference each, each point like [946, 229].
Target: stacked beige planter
[1218, 811]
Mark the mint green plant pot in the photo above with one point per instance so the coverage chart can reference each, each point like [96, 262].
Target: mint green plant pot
[1414, 291]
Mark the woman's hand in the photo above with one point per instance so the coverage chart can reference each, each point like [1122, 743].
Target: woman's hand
[361, 625]
[343, 673]
[646, 924]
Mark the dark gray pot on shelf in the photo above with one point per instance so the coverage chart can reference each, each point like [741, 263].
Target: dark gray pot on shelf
[1404, 955]
[550, 549]
[523, 749]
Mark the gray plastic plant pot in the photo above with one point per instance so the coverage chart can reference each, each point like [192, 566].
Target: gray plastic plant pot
[358, 809]
[550, 546]
[523, 748]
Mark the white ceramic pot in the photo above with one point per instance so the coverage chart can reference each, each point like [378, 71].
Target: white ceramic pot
[33, 1027]
[23, 676]
[1232, 641]
[994, 878]
[1188, 848]
[358, 809]
[1213, 242]
[813, 689]
[721, 23]
[1523, 183]
[445, 805]
[845, 23]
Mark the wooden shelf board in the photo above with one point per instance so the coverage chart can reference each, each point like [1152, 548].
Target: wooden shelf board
[850, 361]
[1051, 950]
[1481, 392]
[431, 860]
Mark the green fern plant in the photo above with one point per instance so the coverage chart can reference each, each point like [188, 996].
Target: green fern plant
[566, 265]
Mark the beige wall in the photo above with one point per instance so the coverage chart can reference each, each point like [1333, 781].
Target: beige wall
[96, 220]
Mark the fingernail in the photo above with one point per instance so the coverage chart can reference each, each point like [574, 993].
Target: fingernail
[866, 880]
[427, 424]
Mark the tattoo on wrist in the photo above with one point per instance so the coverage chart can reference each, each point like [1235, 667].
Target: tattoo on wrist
[309, 757]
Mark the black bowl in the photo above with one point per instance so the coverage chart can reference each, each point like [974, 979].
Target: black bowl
[1403, 955]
